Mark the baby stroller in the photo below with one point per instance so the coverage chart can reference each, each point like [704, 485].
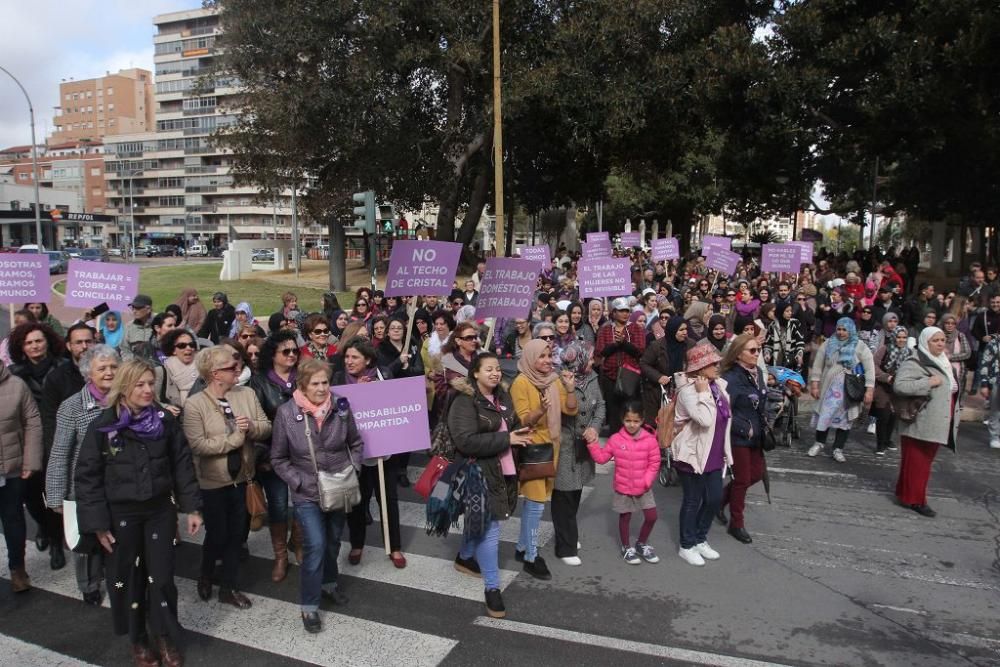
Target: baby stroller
[784, 386]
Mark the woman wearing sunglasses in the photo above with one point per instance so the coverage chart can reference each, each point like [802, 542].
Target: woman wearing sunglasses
[274, 385]
[221, 424]
[319, 345]
[362, 311]
[179, 367]
[747, 389]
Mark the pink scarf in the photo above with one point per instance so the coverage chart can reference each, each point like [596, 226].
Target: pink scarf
[318, 412]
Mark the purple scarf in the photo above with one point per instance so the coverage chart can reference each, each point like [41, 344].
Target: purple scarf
[282, 384]
[148, 425]
[368, 373]
[97, 395]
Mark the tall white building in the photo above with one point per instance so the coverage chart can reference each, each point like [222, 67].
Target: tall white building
[176, 179]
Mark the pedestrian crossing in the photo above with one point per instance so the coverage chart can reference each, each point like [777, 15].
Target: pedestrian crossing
[23, 654]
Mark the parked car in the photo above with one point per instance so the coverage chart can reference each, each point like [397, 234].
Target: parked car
[57, 262]
[74, 253]
[198, 251]
[115, 252]
[31, 248]
[94, 255]
[262, 255]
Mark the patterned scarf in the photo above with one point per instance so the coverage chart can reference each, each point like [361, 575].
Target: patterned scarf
[895, 355]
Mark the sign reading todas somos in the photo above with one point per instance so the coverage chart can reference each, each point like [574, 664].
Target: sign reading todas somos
[422, 267]
[781, 257]
[722, 260]
[91, 283]
[391, 414]
[604, 277]
[709, 243]
[537, 253]
[631, 239]
[507, 288]
[24, 278]
[665, 249]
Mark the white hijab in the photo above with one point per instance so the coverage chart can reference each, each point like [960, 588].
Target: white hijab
[940, 360]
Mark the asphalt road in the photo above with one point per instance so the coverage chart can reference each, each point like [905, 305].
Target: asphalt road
[837, 575]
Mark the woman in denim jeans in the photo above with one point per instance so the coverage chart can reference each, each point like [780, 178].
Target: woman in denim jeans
[484, 425]
[319, 421]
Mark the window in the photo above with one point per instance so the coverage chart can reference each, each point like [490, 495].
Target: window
[95, 171]
[100, 123]
[111, 91]
[90, 94]
[100, 108]
[111, 107]
[111, 122]
[100, 92]
[96, 192]
[90, 109]
[68, 97]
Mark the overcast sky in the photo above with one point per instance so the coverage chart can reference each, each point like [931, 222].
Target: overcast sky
[43, 42]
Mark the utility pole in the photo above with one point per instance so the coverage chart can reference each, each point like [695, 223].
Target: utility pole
[34, 161]
[871, 232]
[497, 135]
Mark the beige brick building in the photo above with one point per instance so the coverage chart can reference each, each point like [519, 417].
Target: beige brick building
[119, 103]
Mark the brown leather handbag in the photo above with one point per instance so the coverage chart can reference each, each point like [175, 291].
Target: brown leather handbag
[536, 461]
[256, 505]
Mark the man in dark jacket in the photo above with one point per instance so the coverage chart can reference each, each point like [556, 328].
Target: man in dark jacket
[987, 324]
[917, 306]
[884, 303]
[62, 382]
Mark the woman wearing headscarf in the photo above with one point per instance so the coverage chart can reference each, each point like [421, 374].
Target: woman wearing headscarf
[887, 361]
[541, 398]
[695, 316]
[111, 328]
[339, 320]
[659, 363]
[926, 374]
[192, 311]
[331, 307]
[576, 467]
[716, 334]
[219, 320]
[244, 315]
[836, 356]
[593, 321]
[958, 349]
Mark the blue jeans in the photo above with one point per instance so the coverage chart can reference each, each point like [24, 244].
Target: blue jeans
[321, 533]
[486, 551]
[527, 541]
[15, 529]
[702, 498]
[276, 492]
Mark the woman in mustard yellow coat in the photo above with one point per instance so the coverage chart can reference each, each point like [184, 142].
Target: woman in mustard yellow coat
[541, 397]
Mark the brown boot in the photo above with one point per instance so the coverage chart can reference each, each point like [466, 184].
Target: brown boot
[279, 540]
[19, 580]
[295, 544]
[170, 656]
[143, 656]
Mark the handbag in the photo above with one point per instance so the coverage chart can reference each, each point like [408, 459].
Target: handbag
[256, 505]
[768, 441]
[908, 407]
[580, 449]
[441, 442]
[81, 544]
[627, 381]
[536, 462]
[338, 491]
[665, 420]
[854, 385]
[430, 476]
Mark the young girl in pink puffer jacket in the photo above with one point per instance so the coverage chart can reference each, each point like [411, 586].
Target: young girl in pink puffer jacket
[637, 462]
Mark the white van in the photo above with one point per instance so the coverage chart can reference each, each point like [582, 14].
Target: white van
[198, 251]
[31, 248]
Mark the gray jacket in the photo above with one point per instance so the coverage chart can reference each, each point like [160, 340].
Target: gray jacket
[936, 421]
[573, 475]
[338, 445]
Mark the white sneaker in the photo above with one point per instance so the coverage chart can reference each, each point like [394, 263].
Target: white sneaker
[815, 449]
[572, 560]
[707, 552]
[838, 456]
[630, 556]
[647, 552]
[994, 444]
[871, 428]
[579, 546]
[691, 556]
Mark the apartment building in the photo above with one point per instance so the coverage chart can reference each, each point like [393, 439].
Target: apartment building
[89, 109]
[174, 179]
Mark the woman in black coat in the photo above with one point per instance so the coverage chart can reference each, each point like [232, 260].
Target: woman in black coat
[134, 464]
[219, 319]
[659, 363]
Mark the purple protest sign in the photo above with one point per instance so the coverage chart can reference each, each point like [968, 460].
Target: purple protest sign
[806, 247]
[631, 239]
[91, 283]
[598, 246]
[610, 276]
[724, 261]
[664, 249]
[537, 253]
[422, 267]
[710, 242]
[391, 415]
[24, 278]
[781, 258]
[507, 288]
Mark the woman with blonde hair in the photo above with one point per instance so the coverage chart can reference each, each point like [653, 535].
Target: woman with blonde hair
[133, 474]
[222, 423]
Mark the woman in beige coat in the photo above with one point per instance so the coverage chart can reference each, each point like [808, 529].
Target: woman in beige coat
[221, 424]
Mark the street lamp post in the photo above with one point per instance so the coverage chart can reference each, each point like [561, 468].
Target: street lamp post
[130, 247]
[34, 160]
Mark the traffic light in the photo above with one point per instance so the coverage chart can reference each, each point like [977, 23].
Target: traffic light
[366, 212]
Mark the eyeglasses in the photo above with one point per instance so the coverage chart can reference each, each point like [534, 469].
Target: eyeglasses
[183, 346]
[289, 351]
[752, 350]
[227, 369]
[801, 298]
[457, 304]
[246, 336]
[321, 332]
[665, 316]
[469, 337]
[549, 337]
[360, 304]
[254, 355]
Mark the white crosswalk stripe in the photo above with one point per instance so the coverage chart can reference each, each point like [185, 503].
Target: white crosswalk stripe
[345, 640]
[23, 654]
